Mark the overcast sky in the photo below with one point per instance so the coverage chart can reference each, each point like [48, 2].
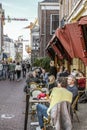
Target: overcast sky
[19, 9]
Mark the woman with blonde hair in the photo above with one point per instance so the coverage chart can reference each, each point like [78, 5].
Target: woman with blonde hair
[51, 83]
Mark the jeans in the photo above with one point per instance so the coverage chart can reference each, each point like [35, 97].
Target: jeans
[41, 112]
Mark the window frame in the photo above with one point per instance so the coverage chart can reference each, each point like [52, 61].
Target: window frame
[51, 20]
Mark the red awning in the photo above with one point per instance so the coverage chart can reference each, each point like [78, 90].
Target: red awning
[73, 39]
[55, 46]
[58, 53]
[51, 49]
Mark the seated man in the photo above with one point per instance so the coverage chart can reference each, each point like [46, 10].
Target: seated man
[72, 87]
[58, 95]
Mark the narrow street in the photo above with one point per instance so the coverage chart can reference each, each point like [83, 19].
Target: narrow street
[12, 105]
[82, 114]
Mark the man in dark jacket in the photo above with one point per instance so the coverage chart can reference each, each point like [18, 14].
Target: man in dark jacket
[72, 86]
[53, 70]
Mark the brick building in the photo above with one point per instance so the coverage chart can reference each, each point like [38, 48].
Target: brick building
[71, 11]
[1, 28]
[48, 16]
[69, 41]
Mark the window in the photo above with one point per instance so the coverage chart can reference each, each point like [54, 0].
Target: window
[54, 23]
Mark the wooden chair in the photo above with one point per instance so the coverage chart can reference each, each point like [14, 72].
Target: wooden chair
[48, 124]
[59, 118]
[73, 106]
[81, 92]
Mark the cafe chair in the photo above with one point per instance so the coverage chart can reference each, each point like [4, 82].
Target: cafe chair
[48, 125]
[59, 117]
[73, 106]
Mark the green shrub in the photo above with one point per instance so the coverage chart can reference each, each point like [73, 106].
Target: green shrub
[42, 62]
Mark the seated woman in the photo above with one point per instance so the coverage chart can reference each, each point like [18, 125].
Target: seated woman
[51, 83]
[81, 81]
[58, 95]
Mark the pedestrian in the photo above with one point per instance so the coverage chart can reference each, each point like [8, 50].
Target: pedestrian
[18, 69]
[12, 70]
[1, 70]
[28, 66]
[24, 69]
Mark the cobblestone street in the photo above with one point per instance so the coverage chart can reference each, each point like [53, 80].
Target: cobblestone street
[12, 107]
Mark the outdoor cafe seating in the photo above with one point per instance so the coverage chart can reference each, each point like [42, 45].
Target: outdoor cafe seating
[32, 99]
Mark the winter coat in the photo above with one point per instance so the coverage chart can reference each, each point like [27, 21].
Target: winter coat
[60, 115]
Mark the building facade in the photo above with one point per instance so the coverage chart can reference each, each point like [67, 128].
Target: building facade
[1, 27]
[8, 47]
[19, 50]
[35, 43]
[48, 18]
[70, 12]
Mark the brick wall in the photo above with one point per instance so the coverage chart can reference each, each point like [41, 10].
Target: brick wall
[45, 30]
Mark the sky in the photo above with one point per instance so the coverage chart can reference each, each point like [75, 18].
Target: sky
[19, 9]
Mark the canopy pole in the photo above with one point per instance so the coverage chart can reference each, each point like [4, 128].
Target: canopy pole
[56, 59]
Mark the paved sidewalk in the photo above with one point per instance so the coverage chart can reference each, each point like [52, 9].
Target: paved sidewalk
[12, 106]
[82, 114]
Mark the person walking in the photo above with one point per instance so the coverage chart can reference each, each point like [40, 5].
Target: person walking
[1, 70]
[18, 69]
[24, 69]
